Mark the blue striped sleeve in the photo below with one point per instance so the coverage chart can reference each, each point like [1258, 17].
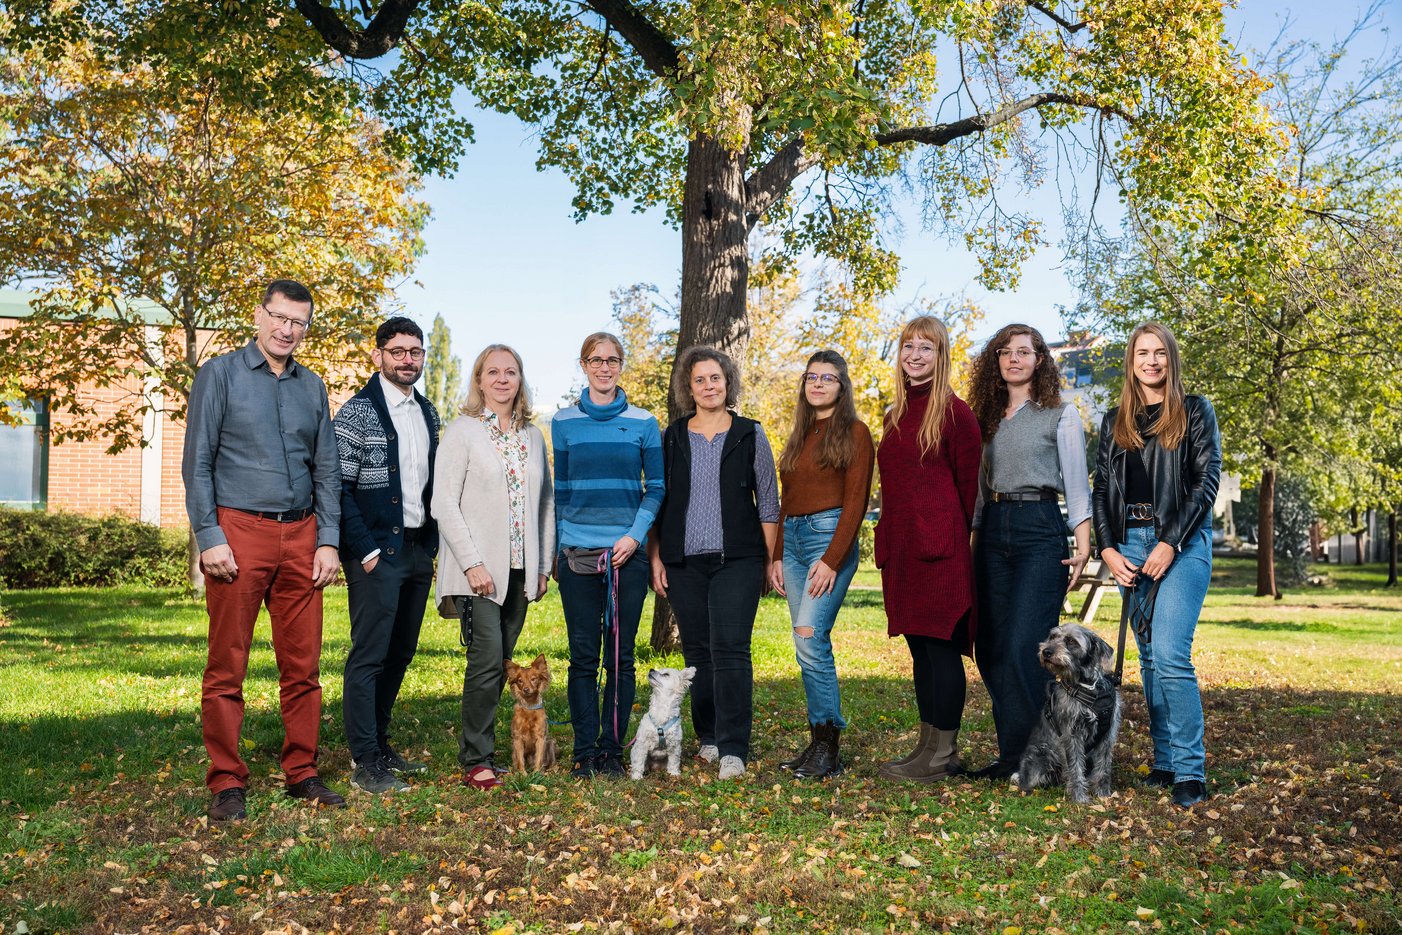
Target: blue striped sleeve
[653, 484]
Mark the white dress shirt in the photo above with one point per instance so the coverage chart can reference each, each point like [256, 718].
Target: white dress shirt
[409, 425]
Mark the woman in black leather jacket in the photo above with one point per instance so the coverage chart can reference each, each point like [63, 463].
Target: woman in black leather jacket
[1156, 476]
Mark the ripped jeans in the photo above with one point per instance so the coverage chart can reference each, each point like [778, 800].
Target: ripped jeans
[806, 538]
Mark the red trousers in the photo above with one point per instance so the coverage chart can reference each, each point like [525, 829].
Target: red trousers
[275, 567]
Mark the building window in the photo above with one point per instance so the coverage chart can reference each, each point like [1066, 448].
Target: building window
[24, 456]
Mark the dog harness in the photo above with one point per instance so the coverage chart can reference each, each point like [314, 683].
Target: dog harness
[1099, 698]
[662, 730]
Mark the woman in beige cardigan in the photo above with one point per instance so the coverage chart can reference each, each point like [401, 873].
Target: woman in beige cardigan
[496, 521]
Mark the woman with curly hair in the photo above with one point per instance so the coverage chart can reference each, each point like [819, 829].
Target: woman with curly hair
[1034, 452]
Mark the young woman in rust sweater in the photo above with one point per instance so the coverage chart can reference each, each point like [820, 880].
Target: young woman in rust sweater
[825, 470]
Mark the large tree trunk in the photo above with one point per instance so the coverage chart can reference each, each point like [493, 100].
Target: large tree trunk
[715, 276]
[1265, 537]
[1392, 548]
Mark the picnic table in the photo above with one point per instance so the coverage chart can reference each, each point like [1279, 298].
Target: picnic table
[1095, 579]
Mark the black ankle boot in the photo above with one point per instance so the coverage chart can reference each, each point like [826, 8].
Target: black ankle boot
[825, 760]
[807, 751]
[1189, 792]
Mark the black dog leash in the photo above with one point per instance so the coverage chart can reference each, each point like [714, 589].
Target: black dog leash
[1141, 610]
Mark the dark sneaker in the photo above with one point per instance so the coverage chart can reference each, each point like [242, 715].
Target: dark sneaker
[392, 761]
[1189, 792]
[376, 780]
[610, 765]
[314, 790]
[228, 805]
[583, 769]
[1159, 778]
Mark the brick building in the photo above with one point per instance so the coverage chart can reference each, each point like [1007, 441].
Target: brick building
[142, 482]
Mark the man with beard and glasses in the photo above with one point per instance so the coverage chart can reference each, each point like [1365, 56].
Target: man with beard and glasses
[263, 496]
[387, 435]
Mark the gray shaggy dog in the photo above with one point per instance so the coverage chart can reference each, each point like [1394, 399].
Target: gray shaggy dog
[1074, 741]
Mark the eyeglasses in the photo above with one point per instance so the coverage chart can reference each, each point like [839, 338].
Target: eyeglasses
[827, 379]
[282, 321]
[594, 363]
[414, 353]
[1021, 353]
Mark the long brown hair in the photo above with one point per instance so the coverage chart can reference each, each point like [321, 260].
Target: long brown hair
[932, 425]
[835, 448]
[1172, 424]
[988, 394]
[476, 403]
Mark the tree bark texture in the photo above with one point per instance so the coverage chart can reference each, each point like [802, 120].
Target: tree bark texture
[1265, 537]
[715, 277]
[1392, 548]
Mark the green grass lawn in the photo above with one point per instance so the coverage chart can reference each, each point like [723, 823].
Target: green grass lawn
[102, 796]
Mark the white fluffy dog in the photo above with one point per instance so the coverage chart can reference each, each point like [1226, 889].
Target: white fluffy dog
[659, 734]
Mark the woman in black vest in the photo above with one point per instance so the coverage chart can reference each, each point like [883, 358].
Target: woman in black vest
[711, 544]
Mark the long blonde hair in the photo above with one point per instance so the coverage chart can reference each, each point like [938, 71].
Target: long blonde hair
[475, 403]
[932, 425]
[1172, 424]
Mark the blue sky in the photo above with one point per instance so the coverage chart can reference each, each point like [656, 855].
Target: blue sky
[505, 262]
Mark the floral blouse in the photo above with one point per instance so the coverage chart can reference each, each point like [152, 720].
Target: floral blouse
[511, 447]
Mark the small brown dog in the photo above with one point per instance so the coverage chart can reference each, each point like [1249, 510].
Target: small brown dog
[531, 744]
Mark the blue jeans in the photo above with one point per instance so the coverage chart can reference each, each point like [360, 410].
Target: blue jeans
[582, 597]
[1165, 661]
[1021, 583]
[806, 538]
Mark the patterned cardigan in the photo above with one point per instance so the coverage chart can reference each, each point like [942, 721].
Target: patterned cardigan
[372, 514]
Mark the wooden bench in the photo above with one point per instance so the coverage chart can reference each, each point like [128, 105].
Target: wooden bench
[1095, 579]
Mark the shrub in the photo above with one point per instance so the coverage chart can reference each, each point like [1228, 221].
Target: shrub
[50, 550]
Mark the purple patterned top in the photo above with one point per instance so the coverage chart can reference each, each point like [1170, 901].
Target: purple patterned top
[703, 523]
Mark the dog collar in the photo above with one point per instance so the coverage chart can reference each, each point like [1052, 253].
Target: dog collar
[534, 707]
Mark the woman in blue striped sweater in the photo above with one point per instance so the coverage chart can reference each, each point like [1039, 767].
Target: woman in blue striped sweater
[608, 487]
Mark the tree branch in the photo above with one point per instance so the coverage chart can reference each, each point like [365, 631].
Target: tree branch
[940, 134]
[769, 182]
[657, 51]
[385, 31]
[1052, 15]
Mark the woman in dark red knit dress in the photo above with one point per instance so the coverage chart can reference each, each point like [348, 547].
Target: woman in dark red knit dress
[929, 460]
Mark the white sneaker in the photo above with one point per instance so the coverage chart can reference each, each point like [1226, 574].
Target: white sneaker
[709, 752]
[731, 767]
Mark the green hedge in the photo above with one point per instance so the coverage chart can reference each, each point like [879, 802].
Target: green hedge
[52, 550]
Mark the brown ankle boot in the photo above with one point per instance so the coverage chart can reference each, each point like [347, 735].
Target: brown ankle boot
[925, 731]
[938, 759]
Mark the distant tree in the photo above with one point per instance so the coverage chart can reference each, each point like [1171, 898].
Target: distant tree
[442, 370]
[1297, 352]
[148, 212]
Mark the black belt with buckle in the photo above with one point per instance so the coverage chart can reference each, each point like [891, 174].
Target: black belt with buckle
[286, 516]
[1139, 512]
[1024, 496]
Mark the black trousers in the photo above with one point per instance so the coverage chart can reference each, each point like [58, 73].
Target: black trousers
[715, 602]
[386, 612]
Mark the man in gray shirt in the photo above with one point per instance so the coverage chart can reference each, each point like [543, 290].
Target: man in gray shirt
[262, 490]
